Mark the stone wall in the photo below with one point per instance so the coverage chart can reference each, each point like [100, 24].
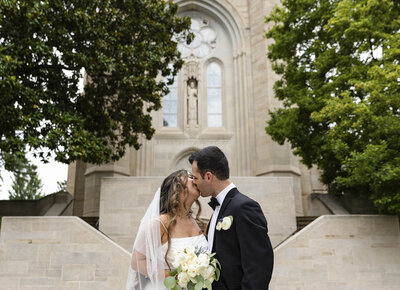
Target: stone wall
[123, 202]
[346, 252]
[334, 252]
[58, 253]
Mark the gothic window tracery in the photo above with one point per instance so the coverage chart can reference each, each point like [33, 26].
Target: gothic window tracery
[210, 94]
[205, 40]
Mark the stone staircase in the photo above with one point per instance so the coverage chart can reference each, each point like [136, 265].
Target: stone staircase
[91, 220]
[340, 252]
[53, 252]
[303, 221]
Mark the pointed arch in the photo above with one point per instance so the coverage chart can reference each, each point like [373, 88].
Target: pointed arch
[181, 158]
[226, 13]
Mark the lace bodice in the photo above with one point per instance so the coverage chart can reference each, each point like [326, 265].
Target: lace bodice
[178, 244]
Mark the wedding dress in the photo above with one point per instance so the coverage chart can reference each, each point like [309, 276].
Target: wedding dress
[179, 244]
[148, 249]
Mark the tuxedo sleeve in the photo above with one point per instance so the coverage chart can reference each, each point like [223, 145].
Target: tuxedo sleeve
[255, 247]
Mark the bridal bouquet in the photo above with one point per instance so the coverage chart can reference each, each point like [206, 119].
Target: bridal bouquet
[195, 269]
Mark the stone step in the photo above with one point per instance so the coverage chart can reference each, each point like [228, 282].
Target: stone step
[91, 220]
[303, 221]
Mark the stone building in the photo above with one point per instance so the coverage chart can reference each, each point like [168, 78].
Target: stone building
[220, 97]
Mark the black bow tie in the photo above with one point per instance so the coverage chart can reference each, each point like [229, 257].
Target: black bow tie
[213, 203]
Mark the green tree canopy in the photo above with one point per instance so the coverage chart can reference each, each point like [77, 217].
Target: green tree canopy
[26, 183]
[340, 89]
[125, 47]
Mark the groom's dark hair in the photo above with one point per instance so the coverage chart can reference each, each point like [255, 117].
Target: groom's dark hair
[211, 159]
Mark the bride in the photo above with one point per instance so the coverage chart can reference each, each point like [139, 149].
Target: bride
[167, 226]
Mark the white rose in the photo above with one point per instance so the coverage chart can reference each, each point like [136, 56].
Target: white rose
[203, 260]
[185, 266]
[190, 250]
[180, 258]
[219, 226]
[211, 279]
[183, 279]
[210, 271]
[191, 258]
[226, 223]
[203, 271]
[192, 273]
[193, 269]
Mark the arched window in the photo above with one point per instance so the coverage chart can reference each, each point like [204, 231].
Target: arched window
[214, 95]
[170, 106]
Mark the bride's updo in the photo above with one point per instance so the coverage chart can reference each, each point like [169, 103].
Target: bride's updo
[170, 192]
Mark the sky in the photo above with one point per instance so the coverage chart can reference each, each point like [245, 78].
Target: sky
[49, 173]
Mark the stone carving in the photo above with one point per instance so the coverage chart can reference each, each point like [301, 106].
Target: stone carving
[204, 42]
[192, 101]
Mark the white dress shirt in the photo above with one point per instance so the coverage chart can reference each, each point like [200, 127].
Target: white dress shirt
[211, 228]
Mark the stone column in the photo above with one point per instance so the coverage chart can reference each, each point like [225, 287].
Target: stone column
[271, 159]
[93, 176]
[76, 185]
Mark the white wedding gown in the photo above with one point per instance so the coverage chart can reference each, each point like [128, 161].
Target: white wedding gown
[177, 244]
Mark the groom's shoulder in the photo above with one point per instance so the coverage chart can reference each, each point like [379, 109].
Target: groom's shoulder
[245, 206]
[241, 198]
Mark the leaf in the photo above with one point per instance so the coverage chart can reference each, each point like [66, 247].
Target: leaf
[179, 269]
[199, 285]
[207, 283]
[199, 278]
[60, 44]
[217, 273]
[190, 286]
[170, 282]
[339, 95]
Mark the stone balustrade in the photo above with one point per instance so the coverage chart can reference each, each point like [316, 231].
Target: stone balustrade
[58, 253]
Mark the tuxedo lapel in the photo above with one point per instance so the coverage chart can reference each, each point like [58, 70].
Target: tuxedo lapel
[208, 227]
[226, 202]
[224, 206]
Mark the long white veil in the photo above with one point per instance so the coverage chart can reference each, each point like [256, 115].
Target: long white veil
[147, 264]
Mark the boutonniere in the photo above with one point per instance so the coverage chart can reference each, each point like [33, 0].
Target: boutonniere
[224, 223]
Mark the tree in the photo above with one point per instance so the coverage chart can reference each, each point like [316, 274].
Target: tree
[62, 185]
[339, 62]
[128, 50]
[26, 184]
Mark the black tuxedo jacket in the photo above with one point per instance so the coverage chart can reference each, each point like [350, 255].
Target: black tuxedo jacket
[244, 250]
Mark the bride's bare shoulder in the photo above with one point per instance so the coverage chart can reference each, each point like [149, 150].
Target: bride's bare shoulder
[165, 218]
[164, 222]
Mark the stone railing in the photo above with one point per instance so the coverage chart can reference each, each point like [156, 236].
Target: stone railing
[55, 204]
[341, 252]
[59, 253]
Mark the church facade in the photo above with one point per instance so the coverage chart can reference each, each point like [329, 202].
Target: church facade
[220, 97]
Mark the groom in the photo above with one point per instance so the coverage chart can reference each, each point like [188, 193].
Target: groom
[237, 231]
